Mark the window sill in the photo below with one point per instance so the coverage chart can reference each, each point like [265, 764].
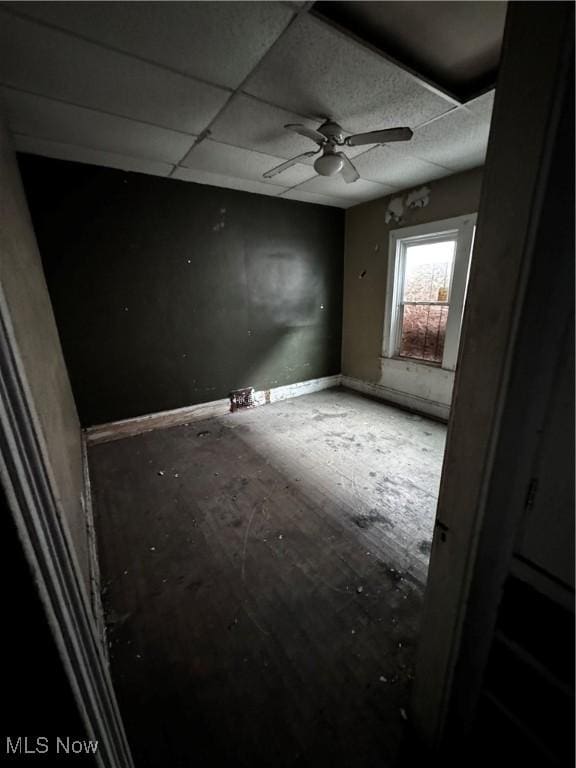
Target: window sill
[416, 361]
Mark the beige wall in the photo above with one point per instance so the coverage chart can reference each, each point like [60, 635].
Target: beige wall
[25, 293]
[367, 237]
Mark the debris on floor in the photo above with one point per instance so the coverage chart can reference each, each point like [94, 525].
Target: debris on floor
[305, 593]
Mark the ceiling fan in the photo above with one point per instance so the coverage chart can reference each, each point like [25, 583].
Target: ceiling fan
[329, 136]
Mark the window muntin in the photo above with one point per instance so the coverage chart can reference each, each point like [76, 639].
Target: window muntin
[427, 273]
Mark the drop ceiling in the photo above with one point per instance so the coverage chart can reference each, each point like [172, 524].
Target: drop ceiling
[200, 92]
[453, 45]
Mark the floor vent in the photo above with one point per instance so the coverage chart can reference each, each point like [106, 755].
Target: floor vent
[242, 398]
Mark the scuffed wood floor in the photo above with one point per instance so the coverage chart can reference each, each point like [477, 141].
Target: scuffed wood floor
[263, 579]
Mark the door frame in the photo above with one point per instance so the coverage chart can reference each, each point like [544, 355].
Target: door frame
[484, 490]
[26, 477]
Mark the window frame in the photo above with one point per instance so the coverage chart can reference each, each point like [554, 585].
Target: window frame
[461, 228]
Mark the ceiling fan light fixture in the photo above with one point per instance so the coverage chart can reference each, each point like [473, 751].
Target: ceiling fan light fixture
[329, 164]
[329, 136]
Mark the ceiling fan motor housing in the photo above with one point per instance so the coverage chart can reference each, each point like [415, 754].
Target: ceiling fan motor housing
[332, 131]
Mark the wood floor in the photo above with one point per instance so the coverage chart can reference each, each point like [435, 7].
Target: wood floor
[263, 578]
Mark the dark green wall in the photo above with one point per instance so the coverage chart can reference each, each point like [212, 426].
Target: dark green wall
[168, 293]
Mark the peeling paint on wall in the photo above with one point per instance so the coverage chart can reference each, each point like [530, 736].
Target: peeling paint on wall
[363, 319]
[419, 198]
[395, 210]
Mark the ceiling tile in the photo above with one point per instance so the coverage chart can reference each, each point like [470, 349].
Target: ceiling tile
[253, 124]
[228, 182]
[316, 71]
[43, 118]
[310, 197]
[386, 166]
[89, 156]
[216, 42]
[250, 123]
[457, 46]
[457, 141]
[483, 105]
[54, 64]
[244, 163]
[335, 186]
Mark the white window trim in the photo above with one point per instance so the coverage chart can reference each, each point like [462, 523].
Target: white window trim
[463, 228]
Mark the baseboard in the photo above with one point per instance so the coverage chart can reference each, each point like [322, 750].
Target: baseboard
[93, 562]
[117, 430]
[298, 389]
[413, 403]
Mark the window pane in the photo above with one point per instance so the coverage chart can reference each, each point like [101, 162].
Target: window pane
[423, 331]
[428, 268]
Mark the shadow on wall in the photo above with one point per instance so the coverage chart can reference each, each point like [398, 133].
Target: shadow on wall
[285, 290]
[169, 294]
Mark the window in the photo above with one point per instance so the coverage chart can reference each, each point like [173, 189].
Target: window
[423, 308]
[427, 276]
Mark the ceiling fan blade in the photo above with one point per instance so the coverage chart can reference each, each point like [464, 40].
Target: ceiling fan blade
[310, 133]
[349, 172]
[379, 137]
[289, 163]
